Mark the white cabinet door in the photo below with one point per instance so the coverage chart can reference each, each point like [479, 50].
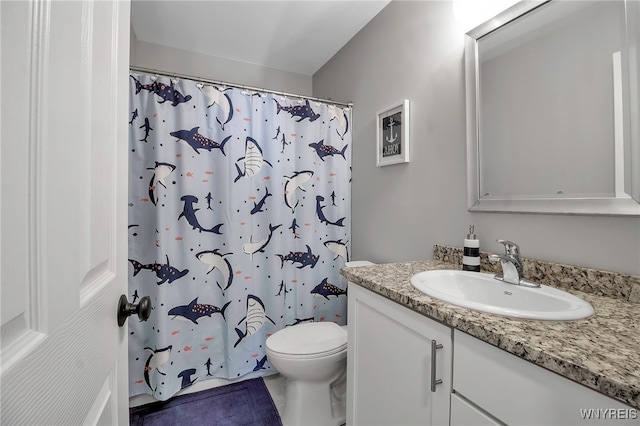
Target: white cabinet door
[389, 364]
[63, 211]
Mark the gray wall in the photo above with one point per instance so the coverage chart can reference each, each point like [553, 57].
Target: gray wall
[171, 60]
[414, 50]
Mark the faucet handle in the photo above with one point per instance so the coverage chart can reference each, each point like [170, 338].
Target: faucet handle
[510, 248]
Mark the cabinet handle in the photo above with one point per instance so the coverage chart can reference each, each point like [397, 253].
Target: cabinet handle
[434, 347]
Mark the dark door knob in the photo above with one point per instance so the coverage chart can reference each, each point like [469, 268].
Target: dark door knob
[125, 309]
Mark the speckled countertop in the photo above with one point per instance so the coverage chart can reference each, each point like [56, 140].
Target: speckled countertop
[601, 352]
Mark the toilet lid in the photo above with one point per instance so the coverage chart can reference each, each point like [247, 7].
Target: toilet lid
[309, 339]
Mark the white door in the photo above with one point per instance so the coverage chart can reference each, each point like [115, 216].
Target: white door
[63, 211]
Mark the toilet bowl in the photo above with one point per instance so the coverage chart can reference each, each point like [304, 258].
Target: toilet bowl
[312, 356]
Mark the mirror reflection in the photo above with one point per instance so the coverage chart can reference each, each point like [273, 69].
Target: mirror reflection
[551, 99]
[547, 102]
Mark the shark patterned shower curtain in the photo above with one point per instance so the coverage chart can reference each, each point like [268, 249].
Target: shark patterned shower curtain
[239, 222]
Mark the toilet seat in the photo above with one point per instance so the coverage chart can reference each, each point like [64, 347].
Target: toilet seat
[311, 340]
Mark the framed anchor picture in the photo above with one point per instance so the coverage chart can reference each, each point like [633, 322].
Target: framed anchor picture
[393, 135]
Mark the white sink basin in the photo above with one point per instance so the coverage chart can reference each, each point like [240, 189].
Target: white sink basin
[483, 293]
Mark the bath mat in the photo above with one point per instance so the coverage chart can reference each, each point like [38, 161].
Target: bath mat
[243, 403]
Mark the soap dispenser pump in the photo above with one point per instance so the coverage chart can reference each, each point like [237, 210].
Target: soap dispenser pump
[471, 255]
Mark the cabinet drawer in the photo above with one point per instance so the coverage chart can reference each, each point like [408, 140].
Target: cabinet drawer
[465, 414]
[516, 391]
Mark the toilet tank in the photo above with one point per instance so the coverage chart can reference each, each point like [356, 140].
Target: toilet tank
[358, 263]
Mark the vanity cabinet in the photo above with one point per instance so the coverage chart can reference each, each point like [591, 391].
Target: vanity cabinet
[398, 364]
[389, 376]
[492, 386]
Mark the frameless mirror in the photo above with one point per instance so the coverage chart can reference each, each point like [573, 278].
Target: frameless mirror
[552, 109]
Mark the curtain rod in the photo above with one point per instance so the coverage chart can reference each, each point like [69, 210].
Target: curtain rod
[238, 86]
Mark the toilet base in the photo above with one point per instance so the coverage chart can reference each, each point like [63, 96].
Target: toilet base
[310, 404]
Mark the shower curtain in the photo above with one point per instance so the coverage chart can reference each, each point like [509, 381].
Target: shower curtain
[239, 222]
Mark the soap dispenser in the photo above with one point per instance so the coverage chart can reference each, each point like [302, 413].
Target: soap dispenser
[471, 255]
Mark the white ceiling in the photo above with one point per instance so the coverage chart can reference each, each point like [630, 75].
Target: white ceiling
[298, 36]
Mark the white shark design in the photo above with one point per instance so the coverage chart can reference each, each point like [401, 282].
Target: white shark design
[160, 172]
[295, 182]
[339, 248]
[215, 260]
[157, 359]
[252, 160]
[217, 97]
[255, 319]
[337, 113]
[251, 247]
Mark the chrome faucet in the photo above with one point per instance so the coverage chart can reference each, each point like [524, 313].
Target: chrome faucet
[512, 269]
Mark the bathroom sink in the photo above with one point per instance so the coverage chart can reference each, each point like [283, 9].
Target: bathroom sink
[481, 292]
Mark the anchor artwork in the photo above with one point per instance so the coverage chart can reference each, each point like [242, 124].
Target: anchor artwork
[392, 132]
[393, 135]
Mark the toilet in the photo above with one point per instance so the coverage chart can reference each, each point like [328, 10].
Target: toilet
[313, 358]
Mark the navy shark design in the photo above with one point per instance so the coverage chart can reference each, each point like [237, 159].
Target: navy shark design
[303, 258]
[162, 91]
[194, 311]
[186, 377]
[197, 141]
[260, 364]
[327, 150]
[294, 227]
[282, 287]
[284, 143]
[300, 111]
[322, 217]
[164, 271]
[160, 172]
[209, 198]
[255, 318]
[189, 213]
[257, 207]
[333, 198]
[147, 129]
[327, 289]
[134, 115]
[208, 364]
[301, 321]
[156, 360]
[283, 139]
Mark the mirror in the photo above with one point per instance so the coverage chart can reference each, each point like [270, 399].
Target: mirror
[552, 109]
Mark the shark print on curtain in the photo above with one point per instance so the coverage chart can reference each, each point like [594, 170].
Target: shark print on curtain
[239, 223]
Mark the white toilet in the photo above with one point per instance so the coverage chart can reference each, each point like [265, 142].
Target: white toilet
[313, 358]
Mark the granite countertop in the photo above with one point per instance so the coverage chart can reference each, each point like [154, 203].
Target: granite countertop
[601, 352]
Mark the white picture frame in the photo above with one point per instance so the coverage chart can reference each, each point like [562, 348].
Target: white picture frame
[392, 135]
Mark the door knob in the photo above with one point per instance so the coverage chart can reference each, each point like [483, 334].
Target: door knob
[125, 309]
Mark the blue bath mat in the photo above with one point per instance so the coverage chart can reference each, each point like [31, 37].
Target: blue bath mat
[242, 403]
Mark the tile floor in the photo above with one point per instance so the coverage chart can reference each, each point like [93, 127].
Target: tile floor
[276, 385]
